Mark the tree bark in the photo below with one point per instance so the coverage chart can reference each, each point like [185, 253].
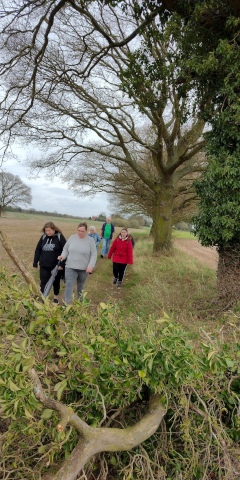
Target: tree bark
[228, 274]
[96, 440]
[19, 264]
[162, 217]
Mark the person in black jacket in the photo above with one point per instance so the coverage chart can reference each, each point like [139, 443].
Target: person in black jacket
[46, 254]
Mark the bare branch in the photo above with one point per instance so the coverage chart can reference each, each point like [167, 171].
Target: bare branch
[96, 440]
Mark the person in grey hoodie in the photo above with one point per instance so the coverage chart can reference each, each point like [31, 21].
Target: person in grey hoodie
[81, 254]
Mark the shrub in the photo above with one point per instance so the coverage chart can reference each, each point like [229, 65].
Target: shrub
[105, 368]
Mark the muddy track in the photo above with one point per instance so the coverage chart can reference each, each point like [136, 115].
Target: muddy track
[206, 255]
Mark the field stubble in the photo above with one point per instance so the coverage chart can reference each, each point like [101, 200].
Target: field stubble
[176, 284]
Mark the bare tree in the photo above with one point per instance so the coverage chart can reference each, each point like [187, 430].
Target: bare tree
[100, 120]
[13, 191]
[129, 194]
[29, 31]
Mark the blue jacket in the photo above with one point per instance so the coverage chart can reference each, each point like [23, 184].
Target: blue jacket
[95, 237]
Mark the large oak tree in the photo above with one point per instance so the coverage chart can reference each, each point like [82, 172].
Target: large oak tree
[100, 119]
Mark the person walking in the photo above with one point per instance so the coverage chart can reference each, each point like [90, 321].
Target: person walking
[121, 252]
[46, 254]
[81, 254]
[93, 234]
[107, 232]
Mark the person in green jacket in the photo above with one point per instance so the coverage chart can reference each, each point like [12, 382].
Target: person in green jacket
[107, 232]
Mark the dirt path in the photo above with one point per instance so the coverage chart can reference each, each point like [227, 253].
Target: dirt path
[206, 255]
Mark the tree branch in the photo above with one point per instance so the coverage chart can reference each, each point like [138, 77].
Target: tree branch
[27, 276]
[96, 440]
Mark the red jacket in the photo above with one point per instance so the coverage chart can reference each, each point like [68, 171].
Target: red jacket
[121, 251]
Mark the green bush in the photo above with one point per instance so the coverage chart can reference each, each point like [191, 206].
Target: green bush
[103, 362]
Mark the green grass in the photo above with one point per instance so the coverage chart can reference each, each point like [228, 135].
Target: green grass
[173, 283]
[182, 234]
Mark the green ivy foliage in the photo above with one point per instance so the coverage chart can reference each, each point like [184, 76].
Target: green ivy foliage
[103, 361]
[218, 222]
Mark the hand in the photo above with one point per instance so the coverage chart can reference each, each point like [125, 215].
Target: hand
[60, 257]
[60, 268]
[89, 269]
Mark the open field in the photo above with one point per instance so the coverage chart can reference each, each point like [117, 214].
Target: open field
[205, 255]
[24, 231]
[178, 284]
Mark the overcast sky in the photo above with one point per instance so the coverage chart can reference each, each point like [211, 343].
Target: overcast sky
[54, 195]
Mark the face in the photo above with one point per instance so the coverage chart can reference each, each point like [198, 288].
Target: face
[92, 231]
[49, 231]
[82, 232]
[124, 233]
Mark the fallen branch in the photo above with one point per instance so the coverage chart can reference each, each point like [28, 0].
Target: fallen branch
[96, 440]
[19, 264]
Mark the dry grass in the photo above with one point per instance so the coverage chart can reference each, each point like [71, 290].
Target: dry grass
[176, 284]
[23, 232]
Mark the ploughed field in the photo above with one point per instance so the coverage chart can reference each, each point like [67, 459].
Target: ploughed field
[24, 234]
[205, 255]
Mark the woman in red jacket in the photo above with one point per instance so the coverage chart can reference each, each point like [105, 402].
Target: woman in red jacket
[121, 252]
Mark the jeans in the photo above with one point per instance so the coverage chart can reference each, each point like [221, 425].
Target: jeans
[71, 276]
[105, 246]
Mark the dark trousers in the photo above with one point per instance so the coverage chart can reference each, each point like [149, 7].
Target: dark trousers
[118, 270]
[45, 274]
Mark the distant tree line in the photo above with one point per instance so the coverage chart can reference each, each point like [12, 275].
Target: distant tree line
[38, 212]
[119, 220]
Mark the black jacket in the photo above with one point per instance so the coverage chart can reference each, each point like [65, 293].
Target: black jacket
[48, 249]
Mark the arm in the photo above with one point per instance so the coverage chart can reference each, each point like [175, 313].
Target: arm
[93, 256]
[65, 252]
[62, 240]
[112, 248]
[37, 253]
[98, 240]
[102, 230]
[130, 253]
[62, 243]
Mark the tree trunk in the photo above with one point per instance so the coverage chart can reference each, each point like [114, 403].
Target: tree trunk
[228, 274]
[19, 264]
[162, 217]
